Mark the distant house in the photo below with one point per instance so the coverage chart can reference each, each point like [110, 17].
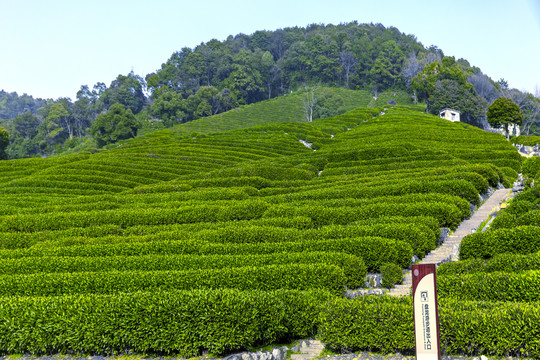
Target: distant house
[449, 114]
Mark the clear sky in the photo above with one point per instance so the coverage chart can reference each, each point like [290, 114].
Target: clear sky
[49, 48]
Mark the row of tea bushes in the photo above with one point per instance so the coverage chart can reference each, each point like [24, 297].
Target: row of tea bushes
[159, 322]
[468, 328]
[448, 215]
[273, 277]
[374, 251]
[507, 262]
[519, 240]
[494, 286]
[352, 266]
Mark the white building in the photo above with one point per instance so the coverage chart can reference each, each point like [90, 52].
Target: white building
[449, 114]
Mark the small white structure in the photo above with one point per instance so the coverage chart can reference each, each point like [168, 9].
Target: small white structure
[449, 114]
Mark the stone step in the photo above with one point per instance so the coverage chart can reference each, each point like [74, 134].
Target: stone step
[312, 348]
[302, 357]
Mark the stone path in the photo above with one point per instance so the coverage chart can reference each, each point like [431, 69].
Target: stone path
[449, 250]
[309, 350]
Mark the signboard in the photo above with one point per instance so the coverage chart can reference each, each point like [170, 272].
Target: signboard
[426, 313]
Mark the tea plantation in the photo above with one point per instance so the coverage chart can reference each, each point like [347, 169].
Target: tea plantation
[184, 242]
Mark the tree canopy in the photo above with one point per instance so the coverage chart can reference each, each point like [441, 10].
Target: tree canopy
[504, 112]
[4, 142]
[118, 123]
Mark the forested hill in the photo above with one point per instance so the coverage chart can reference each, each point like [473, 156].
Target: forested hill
[11, 104]
[217, 76]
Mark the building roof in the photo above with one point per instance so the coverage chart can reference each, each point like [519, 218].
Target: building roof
[449, 110]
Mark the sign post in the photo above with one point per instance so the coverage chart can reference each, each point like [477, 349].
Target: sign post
[426, 312]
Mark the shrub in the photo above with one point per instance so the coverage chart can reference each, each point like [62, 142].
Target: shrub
[518, 240]
[372, 250]
[494, 286]
[158, 322]
[274, 277]
[531, 166]
[511, 263]
[384, 324]
[391, 275]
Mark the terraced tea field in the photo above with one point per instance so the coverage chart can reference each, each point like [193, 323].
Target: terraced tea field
[178, 244]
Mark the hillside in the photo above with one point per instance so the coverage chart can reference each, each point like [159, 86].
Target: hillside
[288, 108]
[205, 83]
[177, 244]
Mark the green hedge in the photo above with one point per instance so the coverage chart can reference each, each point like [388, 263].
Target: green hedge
[531, 167]
[274, 277]
[519, 240]
[527, 140]
[238, 210]
[421, 238]
[385, 324]
[495, 286]
[175, 322]
[391, 274]
[345, 200]
[448, 215]
[354, 268]
[457, 187]
[503, 262]
[373, 250]
[504, 220]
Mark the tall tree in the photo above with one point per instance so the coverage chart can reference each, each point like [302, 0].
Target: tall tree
[484, 86]
[118, 123]
[59, 119]
[126, 90]
[424, 82]
[504, 112]
[348, 62]
[449, 93]
[4, 142]
[309, 101]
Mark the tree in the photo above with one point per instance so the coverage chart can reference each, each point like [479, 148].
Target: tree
[348, 63]
[4, 142]
[484, 86]
[328, 104]
[448, 93]
[411, 67]
[59, 120]
[425, 81]
[504, 112]
[126, 90]
[117, 124]
[309, 102]
[169, 107]
[24, 126]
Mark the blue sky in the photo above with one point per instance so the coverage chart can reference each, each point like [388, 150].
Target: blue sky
[50, 48]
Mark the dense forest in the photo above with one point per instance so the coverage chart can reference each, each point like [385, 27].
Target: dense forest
[217, 76]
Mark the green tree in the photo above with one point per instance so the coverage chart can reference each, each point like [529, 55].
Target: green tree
[59, 120]
[4, 142]
[25, 126]
[504, 112]
[424, 82]
[126, 90]
[450, 94]
[169, 107]
[117, 124]
[328, 104]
